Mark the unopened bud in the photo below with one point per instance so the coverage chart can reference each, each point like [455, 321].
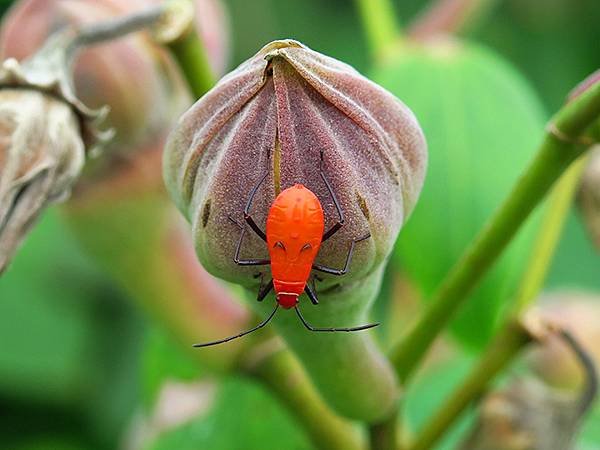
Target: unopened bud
[41, 154]
[274, 115]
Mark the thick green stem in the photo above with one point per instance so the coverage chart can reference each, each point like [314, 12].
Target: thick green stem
[557, 152]
[384, 435]
[191, 56]
[379, 23]
[348, 369]
[507, 344]
[284, 377]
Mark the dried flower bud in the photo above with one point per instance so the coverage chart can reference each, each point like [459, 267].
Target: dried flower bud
[525, 415]
[211, 21]
[136, 78]
[589, 196]
[579, 313]
[274, 114]
[41, 153]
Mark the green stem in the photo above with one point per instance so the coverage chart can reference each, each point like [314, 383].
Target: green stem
[385, 434]
[379, 22]
[558, 150]
[191, 56]
[284, 377]
[505, 347]
[548, 236]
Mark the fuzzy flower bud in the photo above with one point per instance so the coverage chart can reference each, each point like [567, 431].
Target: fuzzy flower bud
[274, 114]
[271, 119]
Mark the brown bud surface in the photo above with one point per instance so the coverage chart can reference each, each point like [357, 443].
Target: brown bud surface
[41, 154]
[273, 115]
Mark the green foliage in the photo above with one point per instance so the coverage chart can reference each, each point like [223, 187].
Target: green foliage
[482, 124]
[431, 389]
[43, 317]
[244, 417]
[162, 359]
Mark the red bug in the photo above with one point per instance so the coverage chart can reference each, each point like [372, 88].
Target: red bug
[295, 231]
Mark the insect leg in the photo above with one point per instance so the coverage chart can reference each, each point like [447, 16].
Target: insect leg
[257, 327]
[312, 294]
[247, 217]
[339, 272]
[263, 291]
[334, 229]
[332, 330]
[246, 262]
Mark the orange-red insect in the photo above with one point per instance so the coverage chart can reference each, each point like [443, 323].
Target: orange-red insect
[295, 231]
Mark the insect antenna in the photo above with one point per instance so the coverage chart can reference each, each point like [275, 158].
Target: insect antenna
[332, 330]
[231, 338]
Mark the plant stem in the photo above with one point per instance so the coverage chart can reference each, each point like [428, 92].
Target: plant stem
[282, 374]
[120, 26]
[384, 435]
[379, 22]
[548, 235]
[504, 348]
[558, 150]
[191, 56]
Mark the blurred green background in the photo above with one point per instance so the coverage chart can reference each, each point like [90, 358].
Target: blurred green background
[63, 385]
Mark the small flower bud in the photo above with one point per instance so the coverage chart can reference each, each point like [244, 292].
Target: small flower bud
[274, 114]
[136, 78]
[41, 154]
[578, 313]
[589, 196]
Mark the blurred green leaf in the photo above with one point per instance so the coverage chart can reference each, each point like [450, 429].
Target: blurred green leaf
[590, 435]
[482, 124]
[245, 417]
[429, 392]
[163, 359]
[51, 443]
[44, 316]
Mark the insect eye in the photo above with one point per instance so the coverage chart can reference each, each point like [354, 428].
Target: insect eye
[279, 244]
[306, 246]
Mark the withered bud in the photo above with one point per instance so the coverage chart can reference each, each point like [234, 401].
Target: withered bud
[555, 362]
[41, 153]
[273, 115]
[525, 415]
[589, 196]
[45, 131]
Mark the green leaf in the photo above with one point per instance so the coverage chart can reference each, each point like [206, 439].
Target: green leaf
[244, 417]
[482, 123]
[430, 391]
[163, 359]
[45, 320]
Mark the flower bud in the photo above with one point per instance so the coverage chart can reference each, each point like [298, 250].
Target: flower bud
[578, 313]
[589, 196]
[136, 78]
[525, 415]
[271, 119]
[274, 114]
[211, 21]
[41, 153]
